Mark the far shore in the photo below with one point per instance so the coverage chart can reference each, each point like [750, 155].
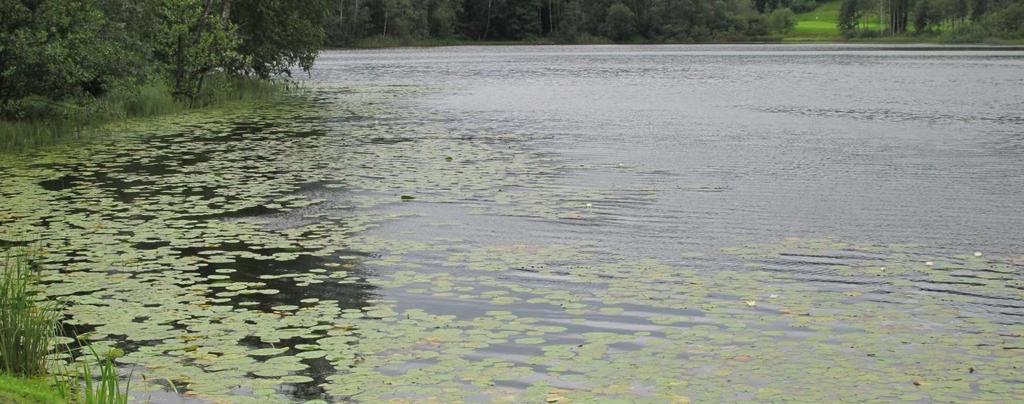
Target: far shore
[903, 40]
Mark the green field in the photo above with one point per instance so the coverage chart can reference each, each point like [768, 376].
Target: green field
[820, 24]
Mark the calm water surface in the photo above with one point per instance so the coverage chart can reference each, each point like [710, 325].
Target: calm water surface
[530, 223]
[725, 143]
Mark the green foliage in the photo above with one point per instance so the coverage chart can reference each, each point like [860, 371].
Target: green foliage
[570, 23]
[1007, 22]
[849, 14]
[443, 18]
[363, 23]
[28, 335]
[802, 6]
[18, 135]
[105, 387]
[782, 20]
[978, 9]
[822, 23]
[27, 327]
[274, 35]
[964, 21]
[64, 64]
[924, 15]
[150, 99]
[56, 50]
[61, 120]
[15, 390]
[225, 88]
[620, 22]
[194, 40]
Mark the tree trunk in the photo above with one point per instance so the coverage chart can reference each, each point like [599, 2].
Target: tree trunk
[898, 10]
[487, 25]
[551, 21]
[179, 67]
[355, 18]
[341, 15]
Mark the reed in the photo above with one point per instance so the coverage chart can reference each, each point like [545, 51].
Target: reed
[103, 387]
[54, 121]
[27, 326]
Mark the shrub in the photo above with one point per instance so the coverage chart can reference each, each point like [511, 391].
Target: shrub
[782, 20]
[1008, 22]
[620, 22]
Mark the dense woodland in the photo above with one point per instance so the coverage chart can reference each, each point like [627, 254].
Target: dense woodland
[561, 20]
[58, 50]
[657, 21]
[960, 20]
[56, 53]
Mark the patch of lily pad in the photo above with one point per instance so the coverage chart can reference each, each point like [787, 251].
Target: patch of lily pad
[244, 255]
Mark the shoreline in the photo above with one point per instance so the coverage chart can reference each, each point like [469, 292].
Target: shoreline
[1016, 44]
[16, 136]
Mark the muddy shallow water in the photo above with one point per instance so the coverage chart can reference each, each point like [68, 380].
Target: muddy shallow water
[652, 223]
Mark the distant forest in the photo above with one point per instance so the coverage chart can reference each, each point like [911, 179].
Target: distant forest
[964, 20]
[561, 20]
[368, 21]
[148, 56]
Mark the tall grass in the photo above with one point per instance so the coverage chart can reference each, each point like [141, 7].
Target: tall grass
[28, 338]
[20, 390]
[221, 89]
[27, 327]
[151, 99]
[53, 121]
[21, 135]
[103, 388]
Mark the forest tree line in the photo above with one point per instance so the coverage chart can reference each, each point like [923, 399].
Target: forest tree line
[561, 20]
[961, 20]
[66, 53]
[59, 55]
[654, 21]
[54, 53]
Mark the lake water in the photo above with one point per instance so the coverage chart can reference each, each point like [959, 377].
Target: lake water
[530, 223]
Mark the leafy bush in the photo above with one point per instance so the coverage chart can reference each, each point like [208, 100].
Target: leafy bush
[58, 50]
[782, 20]
[620, 22]
[1006, 23]
[849, 13]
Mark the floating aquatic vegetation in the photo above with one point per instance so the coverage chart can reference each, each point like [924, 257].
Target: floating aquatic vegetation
[259, 255]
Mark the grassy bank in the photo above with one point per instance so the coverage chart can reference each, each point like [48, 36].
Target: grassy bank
[820, 24]
[48, 122]
[14, 390]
